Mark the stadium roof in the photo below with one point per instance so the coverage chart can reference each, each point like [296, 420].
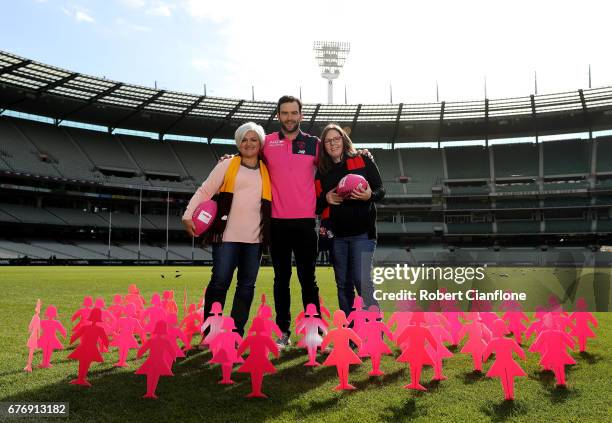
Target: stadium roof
[36, 88]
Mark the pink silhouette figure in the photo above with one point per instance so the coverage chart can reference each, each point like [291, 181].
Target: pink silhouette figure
[124, 340]
[538, 324]
[310, 326]
[504, 366]
[87, 351]
[373, 339]
[82, 313]
[257, 363]
[270, 326]
[479, 336]
[403, 316]
[108, 320]
[553, 343]
[174, 333]
[168, 303]
[581, 319]
[34, 330]
[438, 352]
[358, 318]
[412, 342]
[153, 314]
[190, 325]
[342, 356]
[485, 309]
[48, 340]
[156, 364]
[135, 298]
[116, 309]
[515, 318]
[213, 323]
[325, 314]
[226, 353]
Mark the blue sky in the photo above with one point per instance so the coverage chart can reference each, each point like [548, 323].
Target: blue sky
[232, 45]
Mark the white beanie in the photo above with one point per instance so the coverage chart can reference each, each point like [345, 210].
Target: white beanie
[249, 126]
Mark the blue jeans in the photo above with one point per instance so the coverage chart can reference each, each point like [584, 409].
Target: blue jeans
[353, 257]
[227, 256]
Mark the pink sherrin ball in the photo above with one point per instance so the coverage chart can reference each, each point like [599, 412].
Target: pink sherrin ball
[204, 216]
[349, 183]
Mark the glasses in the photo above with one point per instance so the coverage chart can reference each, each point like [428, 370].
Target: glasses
[334, 140]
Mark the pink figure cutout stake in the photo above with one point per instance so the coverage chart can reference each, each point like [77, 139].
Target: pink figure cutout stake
[438, 352]
[325, 314]
[257, 363]
[153, 314]
[310, 325]
[479, 336]
[117, 308]
[174, 333]
[82, 314]
[553, 343]
[87, 352]
[213, 323]
[135, 298]
[124, 340]
[48, 341]
[190, 325]
[504, 366]
[34, 330]
[226, 353]
[581, 319]
[373, 341]
[342, 356]
[270, 327]
[358, 318]
[412, 341]
[168, 303]
[156, 364]
[515, 317]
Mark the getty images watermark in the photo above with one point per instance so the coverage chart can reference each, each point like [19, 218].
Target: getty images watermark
[411, 275]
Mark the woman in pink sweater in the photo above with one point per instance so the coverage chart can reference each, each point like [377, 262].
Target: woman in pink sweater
[241, 187]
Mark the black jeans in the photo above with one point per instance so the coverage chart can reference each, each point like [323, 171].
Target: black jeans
[227, 256]
[295, 236]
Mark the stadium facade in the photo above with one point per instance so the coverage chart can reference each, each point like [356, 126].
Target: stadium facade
[78, 185]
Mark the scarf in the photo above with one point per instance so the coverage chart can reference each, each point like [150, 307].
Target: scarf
[224, 202]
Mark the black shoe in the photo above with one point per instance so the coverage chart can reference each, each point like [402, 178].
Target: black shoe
[283, 342]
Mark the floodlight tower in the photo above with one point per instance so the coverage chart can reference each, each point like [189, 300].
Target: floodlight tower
[331, 56]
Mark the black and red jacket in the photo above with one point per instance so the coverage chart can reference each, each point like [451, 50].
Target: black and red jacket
[351, 217]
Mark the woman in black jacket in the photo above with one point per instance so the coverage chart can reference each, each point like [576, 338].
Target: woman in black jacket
[351, 220]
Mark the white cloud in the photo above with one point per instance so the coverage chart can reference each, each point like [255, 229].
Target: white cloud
[126, 25]
[78, 14]
[82, 16]
[161, 9]
[134, 4]
[217, 11]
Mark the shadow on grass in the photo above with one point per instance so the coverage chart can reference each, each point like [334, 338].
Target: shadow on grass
[502, 411]
[403, 412]
[193, 393]
[471, 377]
[590, 358]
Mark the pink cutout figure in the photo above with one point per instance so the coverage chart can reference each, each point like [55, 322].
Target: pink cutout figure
[48, 340]
[34, 330]
[537, 325]
[438, 352]
[226, 353]
[257, 363]
[116, 309]
[270, 326]
[553, 343]
[82, 313]
[373, 339]
[153, 314]
[190, 325]
[213, 323]
[124, 340]
[325, 314]
[358, 318]
[156, 364]
[342, 356]
[504, 366]
[168, 303]
[87, 351]
[402, 317]
[412, 341]
[133, 296]
[479, 336]
[515, 318]
[581, 318]
[108, 320]
[310, 326]
[174, 333]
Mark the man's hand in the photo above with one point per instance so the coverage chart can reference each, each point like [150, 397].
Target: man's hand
[189, 227]
[365, 152]
[333, 198]
[363, 195]
[225, 157]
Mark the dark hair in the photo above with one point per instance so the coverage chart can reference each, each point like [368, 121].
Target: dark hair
[288, 99]
[325, 161]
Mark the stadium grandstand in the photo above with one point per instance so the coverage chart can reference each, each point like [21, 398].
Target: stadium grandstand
[97, 171]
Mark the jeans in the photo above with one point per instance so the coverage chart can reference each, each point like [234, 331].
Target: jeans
[226, 257]
[352, 262]
[297, 236]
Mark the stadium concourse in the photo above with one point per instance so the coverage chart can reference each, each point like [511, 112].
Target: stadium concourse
[92, 173]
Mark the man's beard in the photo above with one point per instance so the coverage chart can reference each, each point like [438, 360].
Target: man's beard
[286, 130]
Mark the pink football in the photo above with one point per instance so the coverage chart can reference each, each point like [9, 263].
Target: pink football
[349, 183]
[204, 216]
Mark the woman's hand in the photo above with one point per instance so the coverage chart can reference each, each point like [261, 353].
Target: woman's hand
[333, 198]
[363, 195]
[189, 227]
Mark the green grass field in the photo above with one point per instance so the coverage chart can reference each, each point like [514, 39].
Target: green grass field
[296, 392]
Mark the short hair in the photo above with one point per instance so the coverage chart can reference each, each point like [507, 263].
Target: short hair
[246, 127]
[288, 99]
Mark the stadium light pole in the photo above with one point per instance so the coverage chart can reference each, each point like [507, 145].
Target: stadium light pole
[139, 222]
[330, 56]
[167, 221]
[110, 225]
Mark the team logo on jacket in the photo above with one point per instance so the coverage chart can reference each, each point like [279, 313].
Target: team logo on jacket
[304, 147]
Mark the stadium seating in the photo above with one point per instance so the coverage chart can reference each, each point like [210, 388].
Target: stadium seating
[469, 228]
[567, 157]
[424, 168]
[515, 160]
[471, 162]
[29, 214]
[518, 226]
[389, 168]
[604, 154]
[567, 225]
